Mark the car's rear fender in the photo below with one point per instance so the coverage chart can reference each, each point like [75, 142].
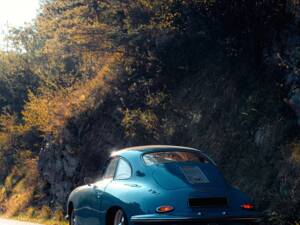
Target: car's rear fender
[137, 198]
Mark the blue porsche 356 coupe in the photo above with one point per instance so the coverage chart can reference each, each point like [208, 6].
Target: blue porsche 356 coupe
[160, 185]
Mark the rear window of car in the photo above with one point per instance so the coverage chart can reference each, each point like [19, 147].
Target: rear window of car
[173, 156]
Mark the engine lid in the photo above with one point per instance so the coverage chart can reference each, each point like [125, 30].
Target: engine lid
[188, 174]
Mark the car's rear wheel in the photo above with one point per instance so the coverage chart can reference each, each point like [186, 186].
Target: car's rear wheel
[72, 220]
[120, 218]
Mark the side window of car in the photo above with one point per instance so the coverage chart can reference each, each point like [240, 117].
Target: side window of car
[110, 169]
[123, 170]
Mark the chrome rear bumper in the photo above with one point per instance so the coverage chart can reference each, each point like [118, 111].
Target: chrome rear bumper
[175, 220]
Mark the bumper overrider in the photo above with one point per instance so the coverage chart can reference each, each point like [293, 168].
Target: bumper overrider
[155, 219]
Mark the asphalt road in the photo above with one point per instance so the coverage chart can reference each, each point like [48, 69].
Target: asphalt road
[14, 222]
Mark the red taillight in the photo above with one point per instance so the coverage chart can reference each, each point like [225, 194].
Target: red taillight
[247, 206]
[164, 209]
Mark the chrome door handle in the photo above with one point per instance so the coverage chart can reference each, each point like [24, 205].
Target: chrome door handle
[99, 194]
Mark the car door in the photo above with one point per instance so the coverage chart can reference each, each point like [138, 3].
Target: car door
[117, 190]
[94, 194]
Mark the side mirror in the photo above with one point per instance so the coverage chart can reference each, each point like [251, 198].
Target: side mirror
[88, 180]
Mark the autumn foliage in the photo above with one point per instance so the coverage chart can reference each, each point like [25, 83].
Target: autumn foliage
[203, 73]
[50, 111]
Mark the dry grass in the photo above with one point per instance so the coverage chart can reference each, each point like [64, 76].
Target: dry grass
[21, 185]
[17, 202]
[40, 221]
[2, 194]
[43, 215]
[58, 215]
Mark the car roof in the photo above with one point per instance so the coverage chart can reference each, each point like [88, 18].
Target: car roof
[133, 154]
[152, 148]
[146, 148]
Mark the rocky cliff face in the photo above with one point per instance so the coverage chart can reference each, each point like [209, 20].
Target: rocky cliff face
[243, 116]
[81, 152]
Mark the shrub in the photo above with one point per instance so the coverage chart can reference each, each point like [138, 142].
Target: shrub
[295, 152]
[140, 122]
[31, 212]
[58, 215]
[45, 213]
[49, 111]
[2, 194]
[22, 177]
[18, 201]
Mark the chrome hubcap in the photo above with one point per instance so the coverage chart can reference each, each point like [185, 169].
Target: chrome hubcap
[119, 218]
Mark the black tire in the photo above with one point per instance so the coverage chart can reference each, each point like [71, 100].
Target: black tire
[119, 218]
[72, 220]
